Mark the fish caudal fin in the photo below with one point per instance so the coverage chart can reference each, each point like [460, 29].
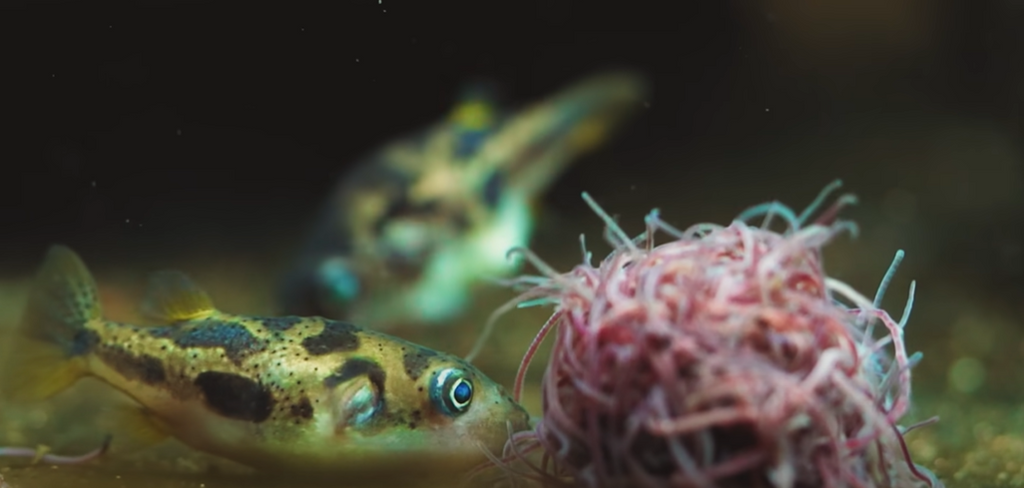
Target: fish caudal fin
[173, 297]
[537, 144]
[53, 339]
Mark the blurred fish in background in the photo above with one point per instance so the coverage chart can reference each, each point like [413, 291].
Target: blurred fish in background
[410, 232]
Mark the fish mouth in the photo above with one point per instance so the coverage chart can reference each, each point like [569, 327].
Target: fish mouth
[538, 143]
[519, 419]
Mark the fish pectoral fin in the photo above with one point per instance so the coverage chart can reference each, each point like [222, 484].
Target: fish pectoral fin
[356, 402]
[173, 297]
[143, 427]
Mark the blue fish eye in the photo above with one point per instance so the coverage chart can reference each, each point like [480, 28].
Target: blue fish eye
[451, 391]
[339, 280]
[462, 392]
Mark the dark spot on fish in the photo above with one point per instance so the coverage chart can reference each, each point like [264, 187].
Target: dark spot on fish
[416, 361]
[461, 222]
[280, 324]
[358, 367]
[336, 337]
[397, 207]
[492, 189]
[144, 368]
[303, 409]
[235, 339]
[469, 142]
[162, 332]
[84, 341]
[235, 396]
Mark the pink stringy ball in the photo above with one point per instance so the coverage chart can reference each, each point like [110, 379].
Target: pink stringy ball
[723, 357]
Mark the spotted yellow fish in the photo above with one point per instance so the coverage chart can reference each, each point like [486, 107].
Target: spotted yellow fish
[412, 230]
[275, 393]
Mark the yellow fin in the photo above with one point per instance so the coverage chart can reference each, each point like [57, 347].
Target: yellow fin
[48, 355]
[143, 427]
[538, 143]
[173, 297]
[38, 371]
[474, 114]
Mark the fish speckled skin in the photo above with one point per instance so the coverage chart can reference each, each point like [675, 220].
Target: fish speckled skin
[410, 232]
[292, 393]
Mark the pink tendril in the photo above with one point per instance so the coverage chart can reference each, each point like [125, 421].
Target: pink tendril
[719, 358]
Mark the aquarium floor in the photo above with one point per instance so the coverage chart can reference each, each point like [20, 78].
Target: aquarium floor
[979, 441]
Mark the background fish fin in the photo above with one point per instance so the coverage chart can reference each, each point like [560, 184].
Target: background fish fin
[48, 353]
[39, 370]
[539, 142]
[173, 297]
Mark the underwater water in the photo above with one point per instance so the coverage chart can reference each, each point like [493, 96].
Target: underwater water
[968, 330]
[148, 140]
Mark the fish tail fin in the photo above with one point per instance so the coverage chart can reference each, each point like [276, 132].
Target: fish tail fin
[539, 142]
[54, 339]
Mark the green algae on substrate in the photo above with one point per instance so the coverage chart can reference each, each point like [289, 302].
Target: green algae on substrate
[973, 445]
[49, 477]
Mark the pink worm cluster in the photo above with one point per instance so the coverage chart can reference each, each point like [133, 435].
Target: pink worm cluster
[720, 358]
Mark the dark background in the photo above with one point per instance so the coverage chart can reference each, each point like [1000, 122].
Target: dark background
[191, 126]
[203, 134]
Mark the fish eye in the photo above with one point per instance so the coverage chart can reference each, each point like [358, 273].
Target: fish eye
[339, 280]
[451, 391]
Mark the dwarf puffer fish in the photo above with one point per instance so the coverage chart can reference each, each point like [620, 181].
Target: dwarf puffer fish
[410, 233]
[274, 393]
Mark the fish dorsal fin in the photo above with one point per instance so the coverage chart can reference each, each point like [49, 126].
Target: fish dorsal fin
[173, 297]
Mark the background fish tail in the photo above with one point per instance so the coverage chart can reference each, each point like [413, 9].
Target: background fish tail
[551, 135]
[53, 340]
